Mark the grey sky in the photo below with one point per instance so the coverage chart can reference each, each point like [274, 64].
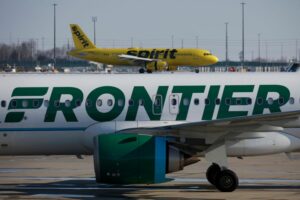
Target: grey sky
[152, 22]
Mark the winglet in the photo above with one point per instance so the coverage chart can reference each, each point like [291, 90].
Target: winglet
[81, 41]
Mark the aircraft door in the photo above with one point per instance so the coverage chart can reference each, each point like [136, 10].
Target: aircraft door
[174, 104]
[157, 105]
[5, 143]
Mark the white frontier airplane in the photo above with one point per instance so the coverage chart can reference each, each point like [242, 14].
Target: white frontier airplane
[214, 116]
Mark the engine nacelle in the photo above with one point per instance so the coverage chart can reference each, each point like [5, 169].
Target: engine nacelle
[132, 158]
[157, 66]
[172, 68]
[262, 143]
[175, 160]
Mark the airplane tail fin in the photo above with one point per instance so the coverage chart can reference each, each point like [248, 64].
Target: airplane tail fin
[80, 39]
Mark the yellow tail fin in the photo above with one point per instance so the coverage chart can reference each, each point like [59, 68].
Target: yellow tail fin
[81, 41]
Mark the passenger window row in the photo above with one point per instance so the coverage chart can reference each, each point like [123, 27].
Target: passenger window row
[157, 102]
[235, 101]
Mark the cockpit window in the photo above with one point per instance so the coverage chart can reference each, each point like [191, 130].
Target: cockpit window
[207, 54]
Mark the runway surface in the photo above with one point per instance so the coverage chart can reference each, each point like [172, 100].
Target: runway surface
[66, 177]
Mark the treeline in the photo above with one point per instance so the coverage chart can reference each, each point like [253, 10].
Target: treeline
[26, 54]
[27, 51]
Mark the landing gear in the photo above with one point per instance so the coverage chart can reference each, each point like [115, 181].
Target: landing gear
[141, 70]
[224, 180]
[197, 71]
[212, 173]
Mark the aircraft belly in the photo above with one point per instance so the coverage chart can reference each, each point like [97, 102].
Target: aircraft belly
[42, 143]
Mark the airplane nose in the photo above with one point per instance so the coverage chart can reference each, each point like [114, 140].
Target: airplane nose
[213, 59]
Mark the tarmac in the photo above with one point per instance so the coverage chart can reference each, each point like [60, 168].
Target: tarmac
[67, 177]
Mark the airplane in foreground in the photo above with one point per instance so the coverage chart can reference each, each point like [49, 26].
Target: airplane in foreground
[140, 127]
[150, 59]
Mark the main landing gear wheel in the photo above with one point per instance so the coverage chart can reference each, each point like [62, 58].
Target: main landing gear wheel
[197, 71]
[212, 172]
[141, 70]
[224, 180]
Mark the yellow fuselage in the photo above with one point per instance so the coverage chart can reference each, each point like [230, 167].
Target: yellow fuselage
[173, 57]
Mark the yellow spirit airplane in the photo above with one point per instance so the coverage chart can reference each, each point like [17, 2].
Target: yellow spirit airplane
[151, 59]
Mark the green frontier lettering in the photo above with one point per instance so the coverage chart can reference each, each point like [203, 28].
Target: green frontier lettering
[261, 102]
[153, 104]
[228, 100]
[154, 53]
[24, 103]
[55, 105]
[117, 108]
[211, 104]
[187, 92]
[140, 93]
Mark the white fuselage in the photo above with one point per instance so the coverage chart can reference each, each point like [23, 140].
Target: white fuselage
[43, 131]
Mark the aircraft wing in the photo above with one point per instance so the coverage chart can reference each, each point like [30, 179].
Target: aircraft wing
[216, 130]
[136, 58]
[261, 122]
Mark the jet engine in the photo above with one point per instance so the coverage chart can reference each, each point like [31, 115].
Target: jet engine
[172, 68]
[262, 143]
[157, 66]
[132, 158]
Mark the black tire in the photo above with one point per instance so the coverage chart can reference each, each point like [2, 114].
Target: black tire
[226, 181]
[212, 172]
[197, 71]
[142, 70]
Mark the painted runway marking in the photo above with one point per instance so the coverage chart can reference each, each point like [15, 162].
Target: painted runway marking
[64, 195]
[49, 178]
[200, 180]
[64, 184]
[76, 188]
[186, 180]
[96, 186]
[15, 170]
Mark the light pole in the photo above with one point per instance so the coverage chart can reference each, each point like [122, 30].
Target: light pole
[267, 53]
[281, 52]
[296, 50]
[226, 42]
[243, 35]
[258, 45]
[54, 29]
[43, 44]
[94, 19]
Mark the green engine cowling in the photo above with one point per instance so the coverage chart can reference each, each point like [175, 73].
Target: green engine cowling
[133, 158]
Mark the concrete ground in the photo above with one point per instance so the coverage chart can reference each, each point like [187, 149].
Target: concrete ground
[66, 177]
